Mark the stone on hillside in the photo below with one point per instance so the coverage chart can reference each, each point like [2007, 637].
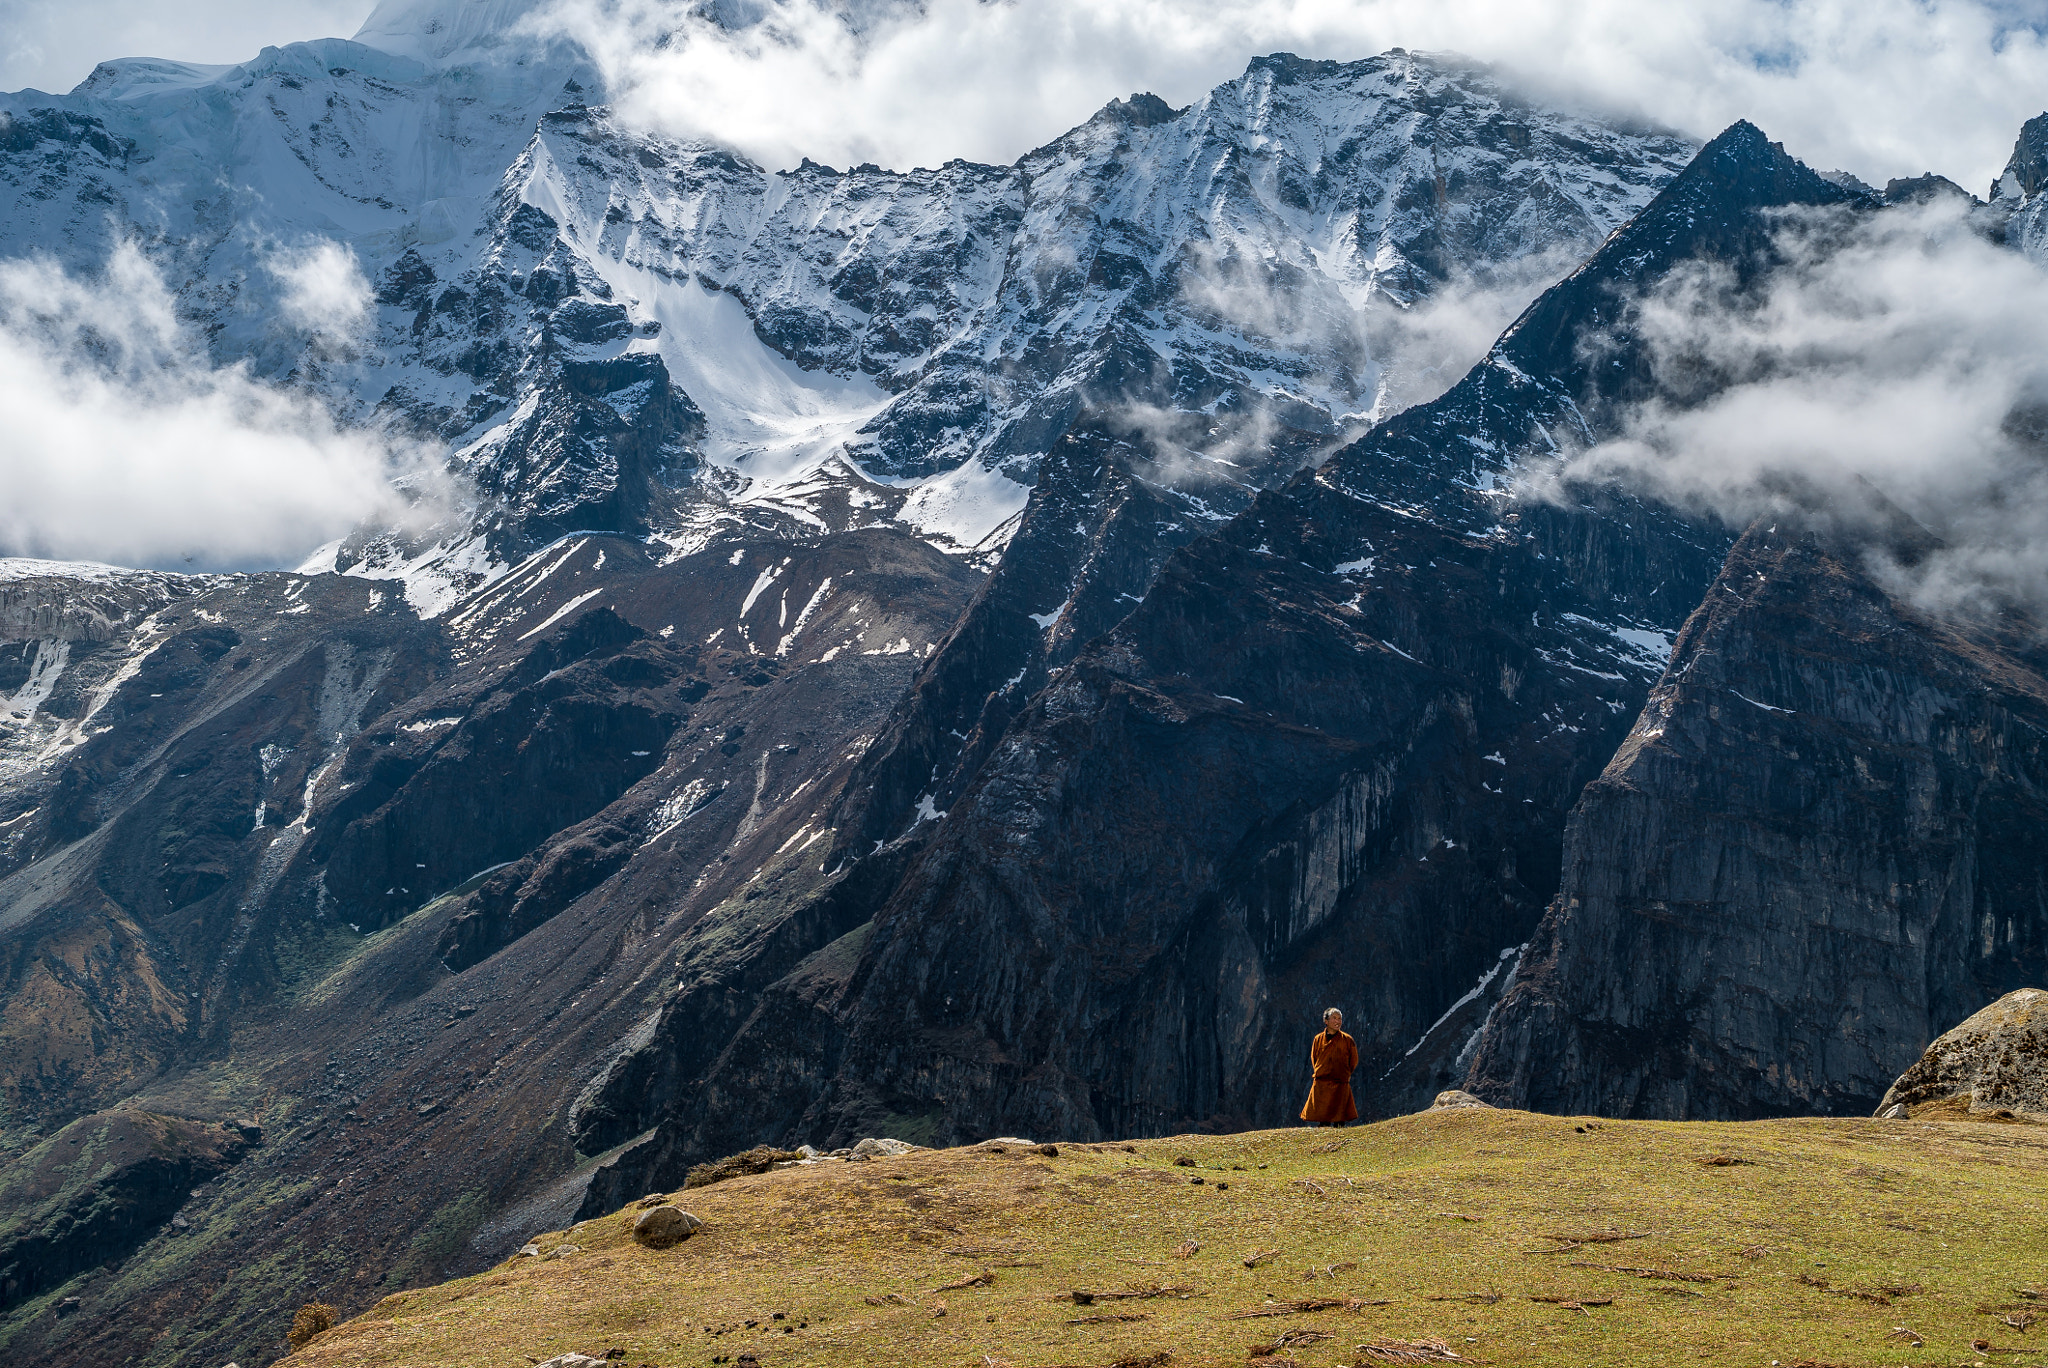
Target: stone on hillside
[759, 1159]
[882, 1148]
[1453, 1098]
[1995, 1061]
[652, 1199]
[575, 1361]
[665, 1226]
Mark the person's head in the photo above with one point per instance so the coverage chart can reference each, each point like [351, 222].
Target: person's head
[1333, 1020]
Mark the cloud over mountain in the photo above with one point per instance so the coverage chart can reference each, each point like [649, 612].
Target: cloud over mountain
[1886, 88]
[1901, 353]
[127, 444]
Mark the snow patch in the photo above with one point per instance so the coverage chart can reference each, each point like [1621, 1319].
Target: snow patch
[571, 606]
[1754, 704]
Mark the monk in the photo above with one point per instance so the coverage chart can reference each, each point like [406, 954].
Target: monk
[1332, 1057]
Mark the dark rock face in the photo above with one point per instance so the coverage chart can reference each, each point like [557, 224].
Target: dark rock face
[97, 1189]
[1331, 752]
[2026, 173]
[1091, 539]
[1819, 843]
[578, 721]
[1997, 1060]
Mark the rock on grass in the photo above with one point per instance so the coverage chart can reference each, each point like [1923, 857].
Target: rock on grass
[665, 1226]
[1995, 1061]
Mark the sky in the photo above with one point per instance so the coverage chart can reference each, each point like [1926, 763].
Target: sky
[54, 44]
[1878, 87]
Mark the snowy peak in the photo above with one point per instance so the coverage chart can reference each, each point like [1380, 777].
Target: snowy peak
[2027, 172]
[1142, 110]
[614, 329]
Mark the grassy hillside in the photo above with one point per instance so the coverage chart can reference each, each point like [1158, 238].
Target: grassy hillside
[1493, 1233]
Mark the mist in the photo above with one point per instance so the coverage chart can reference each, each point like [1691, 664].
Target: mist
[1899, 354]
[324, 294]
[125, 444]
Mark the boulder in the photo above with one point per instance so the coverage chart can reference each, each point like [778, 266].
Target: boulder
[665, 1226]
[882, 1148]
[1997, 1061]
[575, 1361]
[1453, 1098]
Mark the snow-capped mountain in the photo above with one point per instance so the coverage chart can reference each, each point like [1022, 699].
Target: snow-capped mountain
[2020, 194]
[959, 650]
[621, 331]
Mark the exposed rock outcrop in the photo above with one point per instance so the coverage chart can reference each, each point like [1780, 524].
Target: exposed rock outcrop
[1457, 1099]
[98, 1188]
[1995, 1061]
[663, 1226]
[1820, 843]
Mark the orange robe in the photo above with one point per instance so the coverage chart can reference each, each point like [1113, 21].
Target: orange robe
[1332, 1057]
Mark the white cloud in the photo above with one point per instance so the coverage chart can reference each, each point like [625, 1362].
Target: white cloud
[124, 444]
[1428, 346]
[1899, 352]
[1881, 88]
[325, 293]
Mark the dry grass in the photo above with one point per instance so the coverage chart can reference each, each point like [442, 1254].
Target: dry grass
[314, 1318]
[1814, 1251]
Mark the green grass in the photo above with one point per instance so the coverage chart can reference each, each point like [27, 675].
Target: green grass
[1443, 1217]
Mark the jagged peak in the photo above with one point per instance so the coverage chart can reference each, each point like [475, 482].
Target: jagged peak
[1742, 139]
[1142, 110]
[2027, 172]
[1924, 188]
[1286, 68]
[1743, 158]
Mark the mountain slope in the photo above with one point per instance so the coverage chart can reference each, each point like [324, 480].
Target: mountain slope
[1331, 751]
